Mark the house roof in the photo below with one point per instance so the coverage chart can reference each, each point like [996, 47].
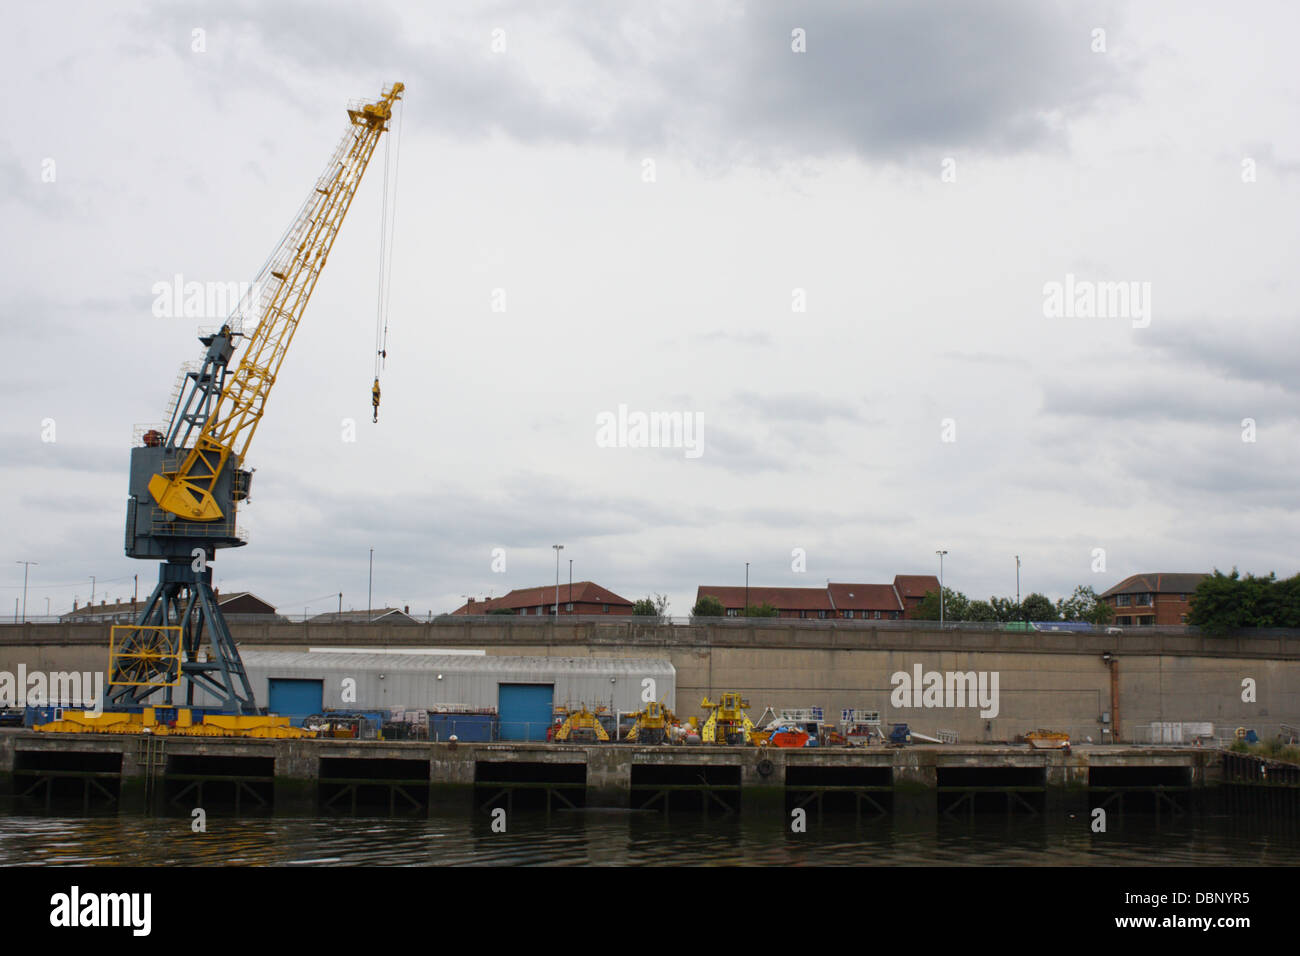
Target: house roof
[583, 592]
[915, 585]
[783, 599]
[864, 597]
[364, 617]
[222, 598]
[94, 610]
[1179, 582]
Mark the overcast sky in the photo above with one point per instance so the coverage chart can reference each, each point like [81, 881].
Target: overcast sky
[656, 190]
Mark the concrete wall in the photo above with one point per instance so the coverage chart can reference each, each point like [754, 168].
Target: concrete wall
[1057, 680]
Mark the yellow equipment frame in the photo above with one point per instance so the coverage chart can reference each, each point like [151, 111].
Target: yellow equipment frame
[158, 650]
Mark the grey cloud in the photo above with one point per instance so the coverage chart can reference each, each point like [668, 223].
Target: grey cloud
[885, 80]
[1143, 403]
[1261, 352]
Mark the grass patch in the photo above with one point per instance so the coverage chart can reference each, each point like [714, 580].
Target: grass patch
[1272, 749]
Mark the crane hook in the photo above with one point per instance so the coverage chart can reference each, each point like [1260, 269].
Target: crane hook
[374, 398]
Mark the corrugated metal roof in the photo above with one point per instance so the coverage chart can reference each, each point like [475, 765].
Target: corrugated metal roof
[457, 663]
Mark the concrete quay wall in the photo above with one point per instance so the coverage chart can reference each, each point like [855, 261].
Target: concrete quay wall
[1060, 681]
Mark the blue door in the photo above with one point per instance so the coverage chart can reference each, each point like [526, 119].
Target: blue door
[296, 699]
[526, 710]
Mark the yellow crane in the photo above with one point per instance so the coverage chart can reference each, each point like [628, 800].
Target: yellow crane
[185, 485]
[289, 279]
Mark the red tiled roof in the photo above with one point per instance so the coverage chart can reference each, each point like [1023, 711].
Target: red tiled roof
[584, 592]
[783, 599]
[865, 597]
[1161, 583]
[915, 585]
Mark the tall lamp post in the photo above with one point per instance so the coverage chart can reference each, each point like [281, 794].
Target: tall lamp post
[941, 554]
[746, 589]
[370, 589]
[558, 548]
[26, 565]
[1017, 579]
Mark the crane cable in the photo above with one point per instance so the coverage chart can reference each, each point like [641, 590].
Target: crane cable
[387, 225]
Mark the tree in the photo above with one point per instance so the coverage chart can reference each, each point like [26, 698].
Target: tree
[763, 610]
[502, 610]
[955, 605]
[661, 606]
[1006, 610]
[708, 606]
[652, 606]
[1084, 605]
[1228, 602]
[1037, 607]
[981, 611]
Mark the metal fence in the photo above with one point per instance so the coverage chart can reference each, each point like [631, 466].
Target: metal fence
[630, 620]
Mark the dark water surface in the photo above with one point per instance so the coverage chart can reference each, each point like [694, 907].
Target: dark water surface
[641, 839]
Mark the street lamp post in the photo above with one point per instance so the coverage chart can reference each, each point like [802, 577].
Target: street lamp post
[941, 554]
[1017, 579]
[26, 565]
[558, 548]
[746, 589]
[370, 589]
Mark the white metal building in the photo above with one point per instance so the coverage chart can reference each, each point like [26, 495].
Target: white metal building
[516, 688]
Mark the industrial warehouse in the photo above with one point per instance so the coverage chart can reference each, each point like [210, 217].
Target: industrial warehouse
[471, 696]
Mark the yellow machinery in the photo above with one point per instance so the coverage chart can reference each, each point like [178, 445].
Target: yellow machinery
[652, 724]
[580, 726]
[727, 722]
[148, 722]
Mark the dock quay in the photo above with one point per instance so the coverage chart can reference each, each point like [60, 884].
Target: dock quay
[143, 773]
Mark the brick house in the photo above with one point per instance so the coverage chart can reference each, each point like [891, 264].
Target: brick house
[850, 602]
[807, 603]
[126, 612]
[912, 588]
[1143, 600]
[580, 597]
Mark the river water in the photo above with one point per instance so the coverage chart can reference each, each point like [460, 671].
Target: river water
[614, 838]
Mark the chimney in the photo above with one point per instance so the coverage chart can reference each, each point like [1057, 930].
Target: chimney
[471, 600]
[407, 609]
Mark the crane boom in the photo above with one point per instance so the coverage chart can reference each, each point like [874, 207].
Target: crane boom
[186, 484]
[287, 283]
